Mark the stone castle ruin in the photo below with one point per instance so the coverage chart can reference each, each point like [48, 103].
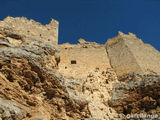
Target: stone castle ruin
[78, 60]
[43, 80]
[32, 29]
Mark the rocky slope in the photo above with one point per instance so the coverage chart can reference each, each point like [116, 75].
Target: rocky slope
[30, 87]
[41, 80]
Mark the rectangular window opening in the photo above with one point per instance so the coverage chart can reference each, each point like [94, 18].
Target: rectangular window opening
[73, 62]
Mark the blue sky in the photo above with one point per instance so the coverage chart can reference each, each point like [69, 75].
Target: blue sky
[93, 20]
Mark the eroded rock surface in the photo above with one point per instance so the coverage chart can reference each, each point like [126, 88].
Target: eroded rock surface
[137, 68]
[28, 79]
[139, 94]
[41, 80]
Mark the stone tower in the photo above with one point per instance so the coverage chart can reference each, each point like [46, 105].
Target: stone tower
[128, 54]
[33, 29]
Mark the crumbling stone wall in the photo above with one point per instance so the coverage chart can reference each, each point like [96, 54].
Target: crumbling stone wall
[128, 54]
[31, 28]
[78, 60]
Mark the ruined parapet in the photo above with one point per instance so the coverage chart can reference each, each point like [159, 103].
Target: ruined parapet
[30, 28]
[128, 54]
[85, 44]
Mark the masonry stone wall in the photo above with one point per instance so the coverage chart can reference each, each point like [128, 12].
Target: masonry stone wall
[29, 28]
[128, 54]
[87, 59]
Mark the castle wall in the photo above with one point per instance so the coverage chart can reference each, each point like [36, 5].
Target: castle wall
[33, 29]
[87, 59]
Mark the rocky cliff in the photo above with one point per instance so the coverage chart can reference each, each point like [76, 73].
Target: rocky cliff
[41, 80]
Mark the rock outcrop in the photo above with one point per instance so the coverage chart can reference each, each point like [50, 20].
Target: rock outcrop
[30, 88]
[41, 80]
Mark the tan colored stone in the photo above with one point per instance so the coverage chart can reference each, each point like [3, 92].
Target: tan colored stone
[129, 54]
[33, 29]
[86, 60]
[73, 82]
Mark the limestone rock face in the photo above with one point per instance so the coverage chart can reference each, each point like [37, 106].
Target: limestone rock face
[138, 94]
[89, 76]
[30, 87]
[41, 80]
[128, 54]
[137, 67]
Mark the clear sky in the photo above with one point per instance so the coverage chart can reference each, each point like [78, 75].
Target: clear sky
[93, 20]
